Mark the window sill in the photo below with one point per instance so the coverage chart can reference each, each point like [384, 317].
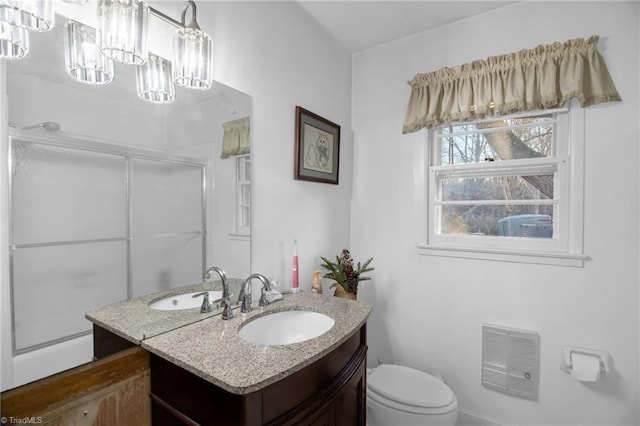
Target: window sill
[542, 258]
[239, 237]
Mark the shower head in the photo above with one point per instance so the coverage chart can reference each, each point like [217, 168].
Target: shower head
[49, 126]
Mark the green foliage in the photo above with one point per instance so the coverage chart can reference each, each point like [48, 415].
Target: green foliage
[343, 272]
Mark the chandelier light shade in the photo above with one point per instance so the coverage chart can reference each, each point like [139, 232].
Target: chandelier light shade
[83, 59]
[34, 15]
[14, 41]
[154, 80]
[122, 30]
[192, 54]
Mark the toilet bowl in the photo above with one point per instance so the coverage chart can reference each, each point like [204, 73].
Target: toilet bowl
[403, 396]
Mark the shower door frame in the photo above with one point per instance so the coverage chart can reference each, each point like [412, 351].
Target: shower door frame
[91, 144]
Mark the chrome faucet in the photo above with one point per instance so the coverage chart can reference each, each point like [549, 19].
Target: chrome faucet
[225, 300]
[223, 278]
[268, 293]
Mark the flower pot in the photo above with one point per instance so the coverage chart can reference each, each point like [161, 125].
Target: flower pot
[340, 292]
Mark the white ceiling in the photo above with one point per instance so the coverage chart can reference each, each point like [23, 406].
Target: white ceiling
[359, 25]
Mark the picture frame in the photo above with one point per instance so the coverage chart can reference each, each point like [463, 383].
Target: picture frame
[316, 149]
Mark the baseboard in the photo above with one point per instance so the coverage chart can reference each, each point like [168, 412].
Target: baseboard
[466, 419]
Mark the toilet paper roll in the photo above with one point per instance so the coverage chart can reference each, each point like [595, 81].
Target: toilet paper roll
[585, 368]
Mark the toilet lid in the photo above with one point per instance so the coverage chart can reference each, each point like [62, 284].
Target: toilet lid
[409, 386]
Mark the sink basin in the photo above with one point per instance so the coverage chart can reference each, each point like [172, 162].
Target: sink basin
[284, 328]
[183, 301]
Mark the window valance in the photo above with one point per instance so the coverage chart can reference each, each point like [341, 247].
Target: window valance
[236, 138]
[539, 78]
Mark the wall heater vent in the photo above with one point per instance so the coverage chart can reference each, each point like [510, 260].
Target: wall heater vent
[510, 360]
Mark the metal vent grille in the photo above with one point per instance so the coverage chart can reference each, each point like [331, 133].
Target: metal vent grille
[510, 361]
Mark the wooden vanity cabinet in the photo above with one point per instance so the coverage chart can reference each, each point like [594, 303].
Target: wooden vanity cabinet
[106, 343]
[329, 392]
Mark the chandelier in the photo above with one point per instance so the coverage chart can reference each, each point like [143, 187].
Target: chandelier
[120, 36]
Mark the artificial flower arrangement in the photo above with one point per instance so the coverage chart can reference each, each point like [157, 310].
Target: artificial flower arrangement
[345, 273]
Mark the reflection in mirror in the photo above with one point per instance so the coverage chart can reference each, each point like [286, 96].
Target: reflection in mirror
[112, 198]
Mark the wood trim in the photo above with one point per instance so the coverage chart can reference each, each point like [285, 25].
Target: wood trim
[47, 394]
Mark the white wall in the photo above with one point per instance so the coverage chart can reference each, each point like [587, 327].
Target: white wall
[428, 311]
[277, 54]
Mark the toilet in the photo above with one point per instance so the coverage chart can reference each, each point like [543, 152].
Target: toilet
[403, 396]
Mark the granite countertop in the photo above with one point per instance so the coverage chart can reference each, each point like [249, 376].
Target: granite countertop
[212, 350]
[135, 321]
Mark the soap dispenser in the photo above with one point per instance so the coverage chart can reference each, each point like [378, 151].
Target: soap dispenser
[316, 283]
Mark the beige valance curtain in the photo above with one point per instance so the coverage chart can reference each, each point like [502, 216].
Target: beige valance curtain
[539, 78]
[236, 139]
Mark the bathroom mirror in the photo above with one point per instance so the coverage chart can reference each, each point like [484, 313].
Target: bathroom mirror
[112, 198]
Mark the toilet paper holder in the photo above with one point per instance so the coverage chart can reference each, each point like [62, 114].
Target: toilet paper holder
[567, 365]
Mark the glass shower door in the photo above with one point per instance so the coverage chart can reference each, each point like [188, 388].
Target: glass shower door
[94, 224]
[69, 239]
[167, 225]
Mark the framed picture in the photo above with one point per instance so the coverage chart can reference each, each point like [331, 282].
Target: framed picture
[317, 148]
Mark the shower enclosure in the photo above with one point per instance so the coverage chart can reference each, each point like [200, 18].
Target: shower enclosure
[93, 223]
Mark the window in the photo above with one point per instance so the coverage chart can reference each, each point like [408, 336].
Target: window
[502, 188]
[243, 194]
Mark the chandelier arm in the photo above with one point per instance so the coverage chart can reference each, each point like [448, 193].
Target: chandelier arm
[193, 24]
[166, 18]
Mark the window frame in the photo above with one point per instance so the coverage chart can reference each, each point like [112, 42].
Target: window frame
[242, 230]
[565, 248]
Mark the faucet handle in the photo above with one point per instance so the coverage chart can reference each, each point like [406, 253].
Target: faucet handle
[206, 304]
[227, 313]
